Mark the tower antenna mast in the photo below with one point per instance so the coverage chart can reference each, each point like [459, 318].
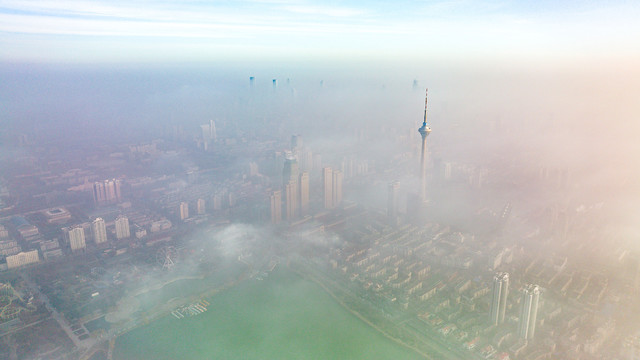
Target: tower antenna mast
[424, 122]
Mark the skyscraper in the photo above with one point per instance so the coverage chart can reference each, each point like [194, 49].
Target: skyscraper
[529, 311]
[76, 238]
[337, 188]
[424, 131]
[276, 207]
[499, 297]
[184, 210]
[327, 181]
[290, 185]
[99, 230]
[392, 202]
[304, 193]
[291, 199]
[122, 227]
[290, 169]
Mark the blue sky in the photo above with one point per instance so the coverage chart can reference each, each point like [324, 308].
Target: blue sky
[259, 30]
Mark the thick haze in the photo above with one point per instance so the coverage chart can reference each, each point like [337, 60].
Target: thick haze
[521, 92]
[583, 118]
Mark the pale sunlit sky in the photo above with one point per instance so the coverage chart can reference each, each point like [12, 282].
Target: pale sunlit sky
[255, 30]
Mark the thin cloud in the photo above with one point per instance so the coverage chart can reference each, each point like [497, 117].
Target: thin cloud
[325, 11]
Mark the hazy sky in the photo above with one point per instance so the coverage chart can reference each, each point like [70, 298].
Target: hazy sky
[259, 30]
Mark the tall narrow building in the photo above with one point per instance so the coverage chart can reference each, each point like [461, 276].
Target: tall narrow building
[304, 193]
[327, 182]
[213, 135]
[424, 131]
[290, 185]
[291, 200]
[200, 207]
[184, 210]
[290, 169]
[276, 207]
[392, 202]
[76, 239]
[529, 311]
[337, 188]
[99, 230]
[499, 297]
[122, 227]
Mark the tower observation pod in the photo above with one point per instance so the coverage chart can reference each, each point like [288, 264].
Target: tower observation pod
[424, 131]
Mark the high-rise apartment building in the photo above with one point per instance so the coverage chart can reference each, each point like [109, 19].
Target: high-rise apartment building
[529, 311]
[327, 182]
[200, 207]
[291, 199]
[392, 202]
[99, 230]
[290, 169]
[184, 210]
[122, 227]
[499, 297]
[107, 192]
[76, 239]
[337, 188]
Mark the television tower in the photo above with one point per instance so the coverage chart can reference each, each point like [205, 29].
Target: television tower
[424, 131]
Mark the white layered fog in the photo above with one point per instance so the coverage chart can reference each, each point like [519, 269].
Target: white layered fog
[263, 212]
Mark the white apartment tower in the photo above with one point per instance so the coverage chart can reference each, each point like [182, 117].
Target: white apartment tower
[99, 230]
[122, 228]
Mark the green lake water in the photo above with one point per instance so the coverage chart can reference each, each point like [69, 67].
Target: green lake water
[281, 317]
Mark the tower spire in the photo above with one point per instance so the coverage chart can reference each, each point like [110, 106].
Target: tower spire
[424, 122]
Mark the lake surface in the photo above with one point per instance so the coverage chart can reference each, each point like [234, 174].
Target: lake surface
[280, 317]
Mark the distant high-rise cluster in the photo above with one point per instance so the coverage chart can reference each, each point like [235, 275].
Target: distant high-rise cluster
[209, 133]
[107, 192]
[499, 297]
[529, 311]
[293, 200]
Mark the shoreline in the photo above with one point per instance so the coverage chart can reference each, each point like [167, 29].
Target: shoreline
[361, 317]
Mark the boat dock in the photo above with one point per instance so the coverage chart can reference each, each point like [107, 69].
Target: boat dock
[190, 310]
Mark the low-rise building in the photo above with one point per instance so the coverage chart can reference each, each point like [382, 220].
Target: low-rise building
[22, 259]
